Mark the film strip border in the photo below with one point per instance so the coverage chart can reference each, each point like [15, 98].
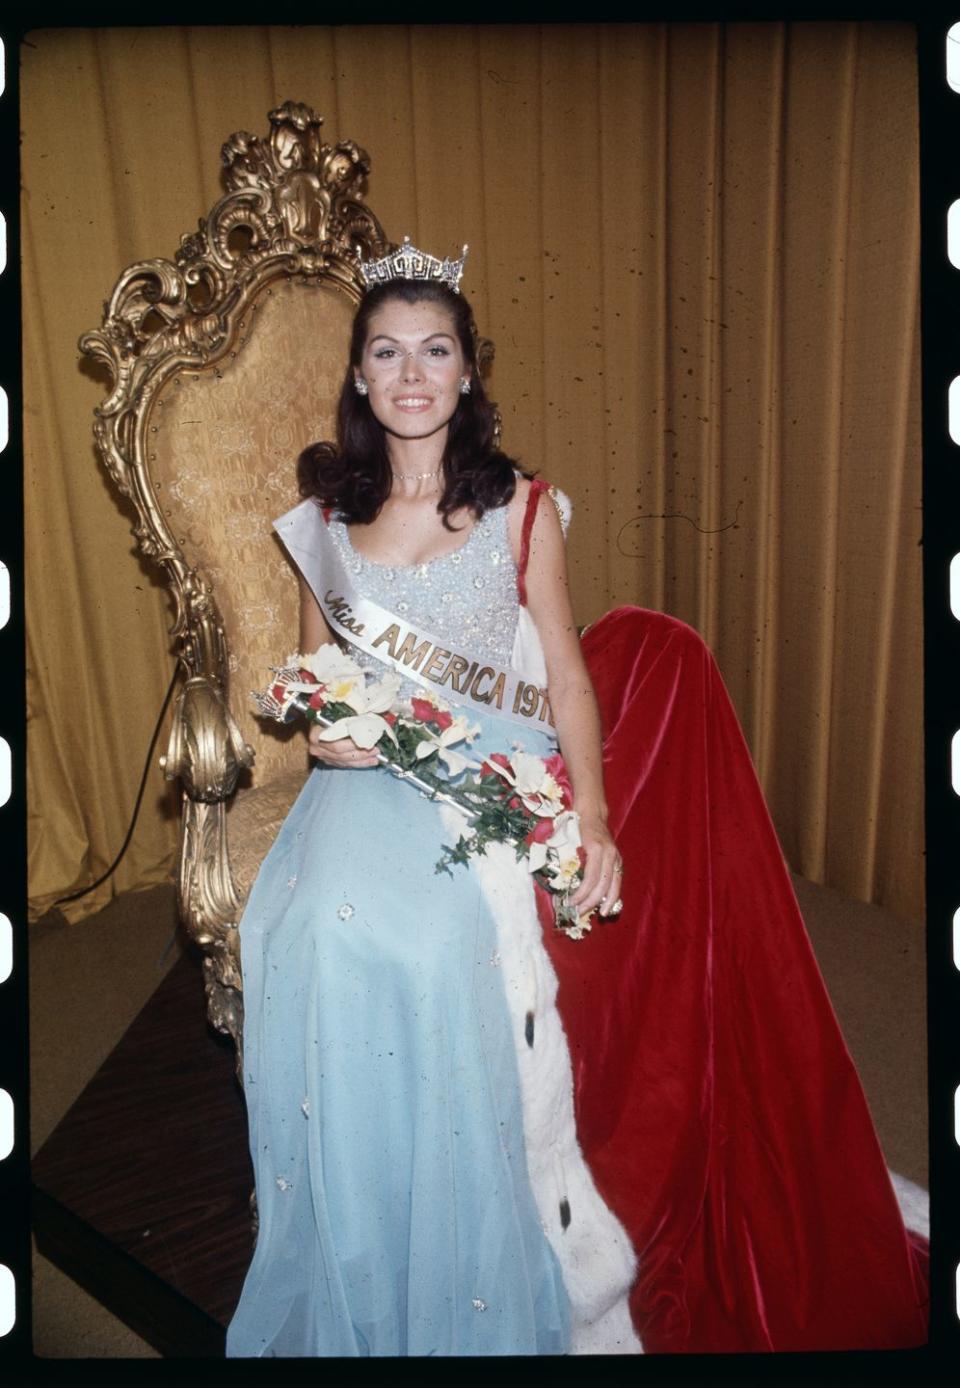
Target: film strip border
[939, 70]
[14, 1112]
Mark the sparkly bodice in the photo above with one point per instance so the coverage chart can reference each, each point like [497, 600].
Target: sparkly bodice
[467, 597]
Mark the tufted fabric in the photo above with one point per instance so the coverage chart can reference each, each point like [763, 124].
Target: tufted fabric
[225, 448]
[254, 818]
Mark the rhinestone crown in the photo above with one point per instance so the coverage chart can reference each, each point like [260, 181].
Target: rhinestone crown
[408, 263]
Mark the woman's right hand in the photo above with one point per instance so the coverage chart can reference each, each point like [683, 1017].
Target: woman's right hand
[342, 751]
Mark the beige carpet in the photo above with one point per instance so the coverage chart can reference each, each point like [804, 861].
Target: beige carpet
[88, 982]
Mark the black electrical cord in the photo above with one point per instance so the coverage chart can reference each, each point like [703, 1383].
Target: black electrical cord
[136, 809]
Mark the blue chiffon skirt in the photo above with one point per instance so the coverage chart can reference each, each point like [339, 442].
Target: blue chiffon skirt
[396, 1215]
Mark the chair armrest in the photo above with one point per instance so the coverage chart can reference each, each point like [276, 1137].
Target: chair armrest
[207, 752]
[206, 749]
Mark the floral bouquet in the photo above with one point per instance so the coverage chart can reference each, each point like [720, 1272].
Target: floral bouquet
[521, 799]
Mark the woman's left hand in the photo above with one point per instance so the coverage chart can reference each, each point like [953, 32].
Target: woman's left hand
[603, 871]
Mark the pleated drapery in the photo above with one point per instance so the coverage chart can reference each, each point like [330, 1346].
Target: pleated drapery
[696, 248]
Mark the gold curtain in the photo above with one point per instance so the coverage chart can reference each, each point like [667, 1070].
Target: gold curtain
[696, 248]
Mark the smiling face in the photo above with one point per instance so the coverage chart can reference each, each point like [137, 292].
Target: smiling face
[412, 363]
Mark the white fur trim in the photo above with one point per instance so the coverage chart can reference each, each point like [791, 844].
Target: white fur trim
[594, 1251]
[914, 1204]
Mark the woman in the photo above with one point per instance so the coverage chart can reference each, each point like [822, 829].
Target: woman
[389, 1008]
[420, 1181]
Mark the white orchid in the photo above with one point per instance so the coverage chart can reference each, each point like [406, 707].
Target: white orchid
[551, 797]
[532, 781]
[338, 672]
[368, 702]
[376, 697]
[366, 729]
[440, 742]
[558, 854]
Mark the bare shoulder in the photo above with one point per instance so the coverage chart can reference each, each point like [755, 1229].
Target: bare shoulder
[517, 510]
[521, 492]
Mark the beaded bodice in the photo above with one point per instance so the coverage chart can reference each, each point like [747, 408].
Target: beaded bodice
[467, 597]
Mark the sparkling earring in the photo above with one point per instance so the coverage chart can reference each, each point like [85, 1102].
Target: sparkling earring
[464, 385]
[360, 386]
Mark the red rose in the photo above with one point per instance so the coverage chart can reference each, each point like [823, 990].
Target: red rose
[427, 713]
[557, 768]
[514, 802]
[423, 710]
[496, 759]
[541, 831]
[390, 718]
[316, 699]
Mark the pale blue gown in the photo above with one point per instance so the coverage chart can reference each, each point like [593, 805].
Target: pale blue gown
[396, 1214]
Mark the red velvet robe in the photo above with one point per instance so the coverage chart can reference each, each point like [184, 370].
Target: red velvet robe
[717, 1104]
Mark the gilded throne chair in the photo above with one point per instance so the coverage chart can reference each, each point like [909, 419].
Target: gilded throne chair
[226, 362]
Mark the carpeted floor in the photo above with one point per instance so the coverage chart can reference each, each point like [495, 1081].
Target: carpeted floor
[88, 982]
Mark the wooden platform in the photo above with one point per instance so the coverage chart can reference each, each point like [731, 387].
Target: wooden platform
[141, 1194]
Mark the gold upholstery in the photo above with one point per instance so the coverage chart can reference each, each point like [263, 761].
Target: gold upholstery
[224, 467]
[225, 363]
[254, 817]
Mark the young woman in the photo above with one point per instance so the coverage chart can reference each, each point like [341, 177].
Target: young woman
[413, 1106]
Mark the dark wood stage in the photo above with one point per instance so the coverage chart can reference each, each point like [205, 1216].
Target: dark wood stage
[141, 1194]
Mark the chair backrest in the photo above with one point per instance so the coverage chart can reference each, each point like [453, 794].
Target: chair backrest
[226, 362]
[223, 448]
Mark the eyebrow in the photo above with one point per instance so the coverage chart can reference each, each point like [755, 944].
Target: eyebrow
[385, 337]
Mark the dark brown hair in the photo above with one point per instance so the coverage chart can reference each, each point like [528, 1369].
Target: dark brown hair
[353, 475]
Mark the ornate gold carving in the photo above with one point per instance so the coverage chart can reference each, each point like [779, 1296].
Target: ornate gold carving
[210, 905]
[312, 188]
[206, 749]
[298, 203]
[207, 752]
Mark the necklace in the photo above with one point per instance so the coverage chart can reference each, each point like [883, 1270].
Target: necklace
[416, 476]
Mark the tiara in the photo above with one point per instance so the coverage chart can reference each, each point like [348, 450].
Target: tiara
[407, 263]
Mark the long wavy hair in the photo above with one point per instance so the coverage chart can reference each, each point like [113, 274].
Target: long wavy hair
[354, 477]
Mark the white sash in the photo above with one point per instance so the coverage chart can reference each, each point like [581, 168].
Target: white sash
[416, 654]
